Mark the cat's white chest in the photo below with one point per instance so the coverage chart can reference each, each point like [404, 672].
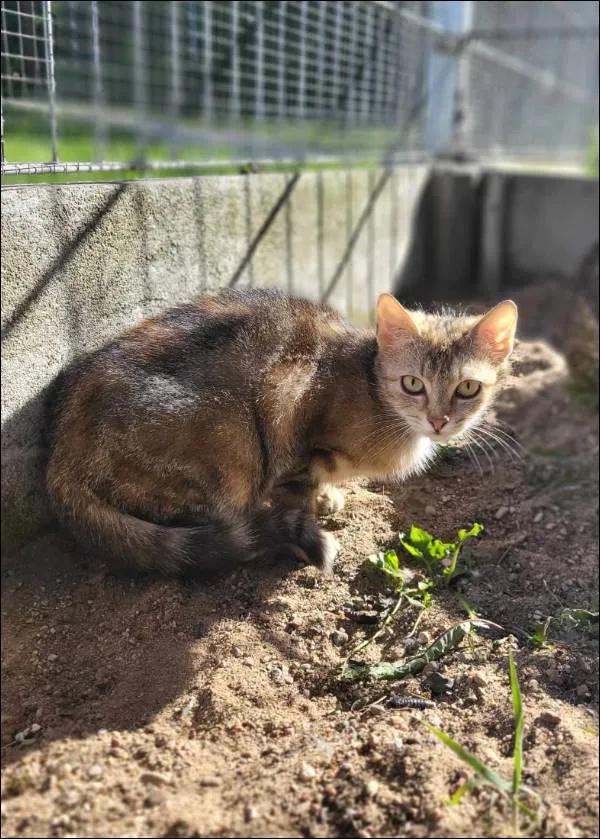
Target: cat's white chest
[413, 457]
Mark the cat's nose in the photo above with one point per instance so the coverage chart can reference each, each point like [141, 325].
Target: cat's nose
[437, 423]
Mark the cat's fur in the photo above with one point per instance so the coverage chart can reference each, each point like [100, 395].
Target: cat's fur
[204, 436]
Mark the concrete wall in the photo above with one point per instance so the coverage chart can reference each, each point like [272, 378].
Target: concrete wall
[483, 234]
[82, 262]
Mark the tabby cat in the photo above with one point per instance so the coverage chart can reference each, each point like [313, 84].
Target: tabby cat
[216, 432]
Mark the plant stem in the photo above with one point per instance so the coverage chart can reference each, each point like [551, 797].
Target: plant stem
[382, 626]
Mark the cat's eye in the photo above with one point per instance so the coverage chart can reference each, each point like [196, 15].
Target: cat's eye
[412, 385]
[468, 389]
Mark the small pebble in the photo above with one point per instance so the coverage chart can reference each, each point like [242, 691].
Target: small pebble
[376, 710]
[95, 772]
[439, 685]
[501, 512]
[372, 788]
[307, 772]
[277, 675]
[250, 813]
[424, 639]
[155, 778]
[582, 691]
[339, 637]
[538, 516]
[154, 798]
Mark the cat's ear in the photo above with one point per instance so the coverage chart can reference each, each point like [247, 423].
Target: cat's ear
[394, 324]
[494, 334]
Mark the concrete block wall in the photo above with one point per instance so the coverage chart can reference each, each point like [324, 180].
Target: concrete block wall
[82, 262]
[482, 234]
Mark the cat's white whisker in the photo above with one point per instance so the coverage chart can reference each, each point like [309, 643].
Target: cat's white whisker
[510, 450]
[474, 457]
[487, 450]
[505, 435]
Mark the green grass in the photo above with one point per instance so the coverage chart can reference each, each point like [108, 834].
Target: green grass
[27, 140]
[512, 789]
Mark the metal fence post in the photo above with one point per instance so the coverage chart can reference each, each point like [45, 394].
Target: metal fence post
[443, 65]
[50, 80]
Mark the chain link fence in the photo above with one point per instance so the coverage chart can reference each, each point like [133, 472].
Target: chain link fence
[95, 87]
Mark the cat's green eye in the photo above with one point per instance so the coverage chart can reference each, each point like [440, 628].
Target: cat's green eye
[468, 389]
[413, 385]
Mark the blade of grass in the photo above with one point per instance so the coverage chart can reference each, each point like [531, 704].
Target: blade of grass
[463, 789]
[518, 711]
[486, 774]
[518, 747]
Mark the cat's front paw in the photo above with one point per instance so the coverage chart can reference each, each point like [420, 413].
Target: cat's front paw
[330, 501]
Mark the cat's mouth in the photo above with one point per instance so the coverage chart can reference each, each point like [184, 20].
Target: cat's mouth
[445, 435]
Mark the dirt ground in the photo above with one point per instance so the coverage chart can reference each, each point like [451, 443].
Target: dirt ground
[157, 709]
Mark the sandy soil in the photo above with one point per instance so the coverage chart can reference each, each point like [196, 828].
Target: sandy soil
[155, 708]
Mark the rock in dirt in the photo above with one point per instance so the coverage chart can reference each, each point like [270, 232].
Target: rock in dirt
[307, 772]
[439, 684]
[339, 637]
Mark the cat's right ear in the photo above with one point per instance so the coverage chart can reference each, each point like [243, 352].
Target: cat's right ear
[394, 324]
[495, 332]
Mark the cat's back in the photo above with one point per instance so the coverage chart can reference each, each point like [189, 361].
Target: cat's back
[234, 327]
[216, 345]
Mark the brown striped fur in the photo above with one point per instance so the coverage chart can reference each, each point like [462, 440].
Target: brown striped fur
[203, 437]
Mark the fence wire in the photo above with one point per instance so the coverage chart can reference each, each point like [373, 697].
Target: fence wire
[149, 85]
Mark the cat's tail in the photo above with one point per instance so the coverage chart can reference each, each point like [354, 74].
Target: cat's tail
[216, 544]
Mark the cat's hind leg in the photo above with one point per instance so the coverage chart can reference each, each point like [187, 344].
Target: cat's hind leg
[283, 531]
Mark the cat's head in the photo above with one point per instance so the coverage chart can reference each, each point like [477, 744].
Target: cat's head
[441, 372]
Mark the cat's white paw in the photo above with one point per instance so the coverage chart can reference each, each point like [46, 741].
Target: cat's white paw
[331, 548]
[330, 501]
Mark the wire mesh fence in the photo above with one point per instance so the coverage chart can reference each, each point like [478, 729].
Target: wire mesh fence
[118, 86]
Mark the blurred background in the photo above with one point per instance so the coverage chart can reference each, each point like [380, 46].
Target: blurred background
[92, 87]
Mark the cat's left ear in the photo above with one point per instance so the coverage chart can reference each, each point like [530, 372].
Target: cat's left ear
[394, 324]
[494, 334]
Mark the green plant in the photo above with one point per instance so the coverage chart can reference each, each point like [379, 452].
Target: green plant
[409, 588]
[541, 635]
[439, 558]
[354, 671]
[514, 789]
[583, 620]
[417, 595]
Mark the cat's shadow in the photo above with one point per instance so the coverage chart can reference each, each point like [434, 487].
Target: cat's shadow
[84, 650]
